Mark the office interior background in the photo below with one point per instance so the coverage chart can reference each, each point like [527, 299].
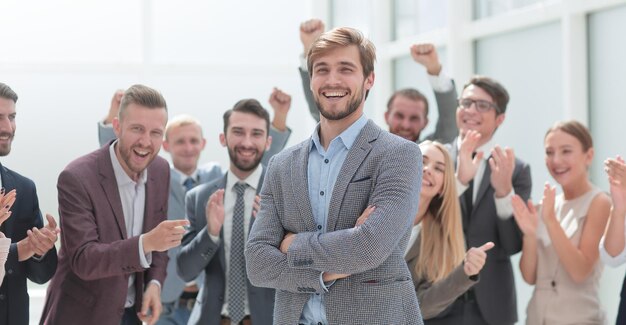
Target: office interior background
[559, 60]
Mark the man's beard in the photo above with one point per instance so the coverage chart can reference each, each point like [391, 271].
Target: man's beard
[241, 165]
[353, 105]
[5, 149]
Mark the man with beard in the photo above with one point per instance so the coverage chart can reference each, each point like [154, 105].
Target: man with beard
[220, 215]
[112, 207]
[407, 109]
[31, 254]
[304, 242]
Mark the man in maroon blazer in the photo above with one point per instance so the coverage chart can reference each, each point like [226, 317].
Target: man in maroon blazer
[112, 207]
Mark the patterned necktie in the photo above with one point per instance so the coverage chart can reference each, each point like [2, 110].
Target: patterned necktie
[237, 272]
[189, 183]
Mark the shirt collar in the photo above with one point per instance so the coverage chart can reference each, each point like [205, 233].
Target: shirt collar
[485, 148]
[120, 175]
[347, 137]
[183, 177]
[252, 180]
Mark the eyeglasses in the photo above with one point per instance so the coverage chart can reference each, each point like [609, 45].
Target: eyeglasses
[482, 106]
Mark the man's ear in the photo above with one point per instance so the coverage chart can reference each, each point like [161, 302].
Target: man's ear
[223, 139]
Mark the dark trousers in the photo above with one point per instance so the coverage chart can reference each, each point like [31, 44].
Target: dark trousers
[130, 317]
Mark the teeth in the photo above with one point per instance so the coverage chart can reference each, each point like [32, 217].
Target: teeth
[141, 152]
[335, 94]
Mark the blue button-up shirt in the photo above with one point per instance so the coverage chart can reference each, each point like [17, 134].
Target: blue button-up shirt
[323, 169]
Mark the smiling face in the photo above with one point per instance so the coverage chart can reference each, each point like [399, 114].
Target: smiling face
[185, 143]
[566, 159]
[434, 169]
[140, 134]
[338, 84]
[246, 139]
[407, 117]
[470, 118]
[7, 125]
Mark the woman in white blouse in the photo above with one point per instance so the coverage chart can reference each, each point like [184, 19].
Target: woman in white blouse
[612, 247]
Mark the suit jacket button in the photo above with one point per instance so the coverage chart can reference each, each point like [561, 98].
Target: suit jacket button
[1, 296]
[10, 271]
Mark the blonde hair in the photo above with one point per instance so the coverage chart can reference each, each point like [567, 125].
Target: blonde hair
[442, 245]
[181, 120]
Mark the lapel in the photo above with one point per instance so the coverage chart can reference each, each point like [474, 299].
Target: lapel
[8, 183]
[176, 190]
[360, 149]
[300, 184]
[222, 254]
[258, 191]
[109, 186]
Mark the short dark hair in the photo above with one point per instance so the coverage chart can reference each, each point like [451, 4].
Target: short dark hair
[410, 93]
[249, 106]
[7, 93]
[497, 92]
[141, 95]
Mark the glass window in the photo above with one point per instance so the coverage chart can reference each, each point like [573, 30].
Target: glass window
[352, 13]
[417, 16]
[489, 8]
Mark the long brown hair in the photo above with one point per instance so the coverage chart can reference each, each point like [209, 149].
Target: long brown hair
[442, 245]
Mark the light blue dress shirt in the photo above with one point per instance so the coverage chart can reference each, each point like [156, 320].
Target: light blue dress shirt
[323, 169]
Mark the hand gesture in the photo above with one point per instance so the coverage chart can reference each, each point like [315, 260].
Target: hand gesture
[151, 305]
[525, 215]
[467, 166]
[280, 102]
[364, 215]
[475, 259]
[42, 240]
[284, 245]
[426, 55]
[6, 202]
[310, 30]
[547, 203]
[616, 171]
[166, 235]
[502, 163]
[256, 206]
[114, 108]
[215, 212]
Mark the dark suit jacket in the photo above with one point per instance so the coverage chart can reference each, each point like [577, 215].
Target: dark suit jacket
[97, 256]
[25, 215]
[495, 293]
[200, 253]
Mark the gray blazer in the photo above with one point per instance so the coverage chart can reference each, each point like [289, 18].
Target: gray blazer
[174, 285]
[380, 169]
[434, 298]
[495, 293]
[200, 254]
[445, 130]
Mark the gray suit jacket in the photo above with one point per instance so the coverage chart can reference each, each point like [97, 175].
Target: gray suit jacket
[199, 253]
[174, 285]
[495, 293]
[445, 130]
[380, 169]
[434, 298]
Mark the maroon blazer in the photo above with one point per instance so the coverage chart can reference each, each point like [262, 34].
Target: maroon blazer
[97, 256]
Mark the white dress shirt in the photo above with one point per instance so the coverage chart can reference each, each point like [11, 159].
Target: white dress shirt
[504, 208]
[133, 198]
[613, 261]
[230, 197]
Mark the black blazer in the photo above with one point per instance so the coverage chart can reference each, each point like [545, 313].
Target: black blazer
[25, 215]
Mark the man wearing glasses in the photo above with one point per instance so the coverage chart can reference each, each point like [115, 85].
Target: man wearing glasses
[485, 190]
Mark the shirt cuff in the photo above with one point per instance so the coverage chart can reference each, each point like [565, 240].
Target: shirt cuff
[144, 259]
[101, 123]
[504, 208]
[460, 188]
[215, 239]
[612, 261]
[441, 83]
[303, 64]
[325, 285]
[39, 258]
[157, 283]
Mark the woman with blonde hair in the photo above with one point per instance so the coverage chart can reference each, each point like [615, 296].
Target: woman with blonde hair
[441, 268]
[561, 237]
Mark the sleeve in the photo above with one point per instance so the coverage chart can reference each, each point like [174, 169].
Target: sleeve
[89, 258]
[446, 129]
[612, 261]
[266, 265]
[434, 298]
[308, 94]
[363, 248]
[508, 232]
[279, 141]
[198, 249]
[105, 133]
[39, 270]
